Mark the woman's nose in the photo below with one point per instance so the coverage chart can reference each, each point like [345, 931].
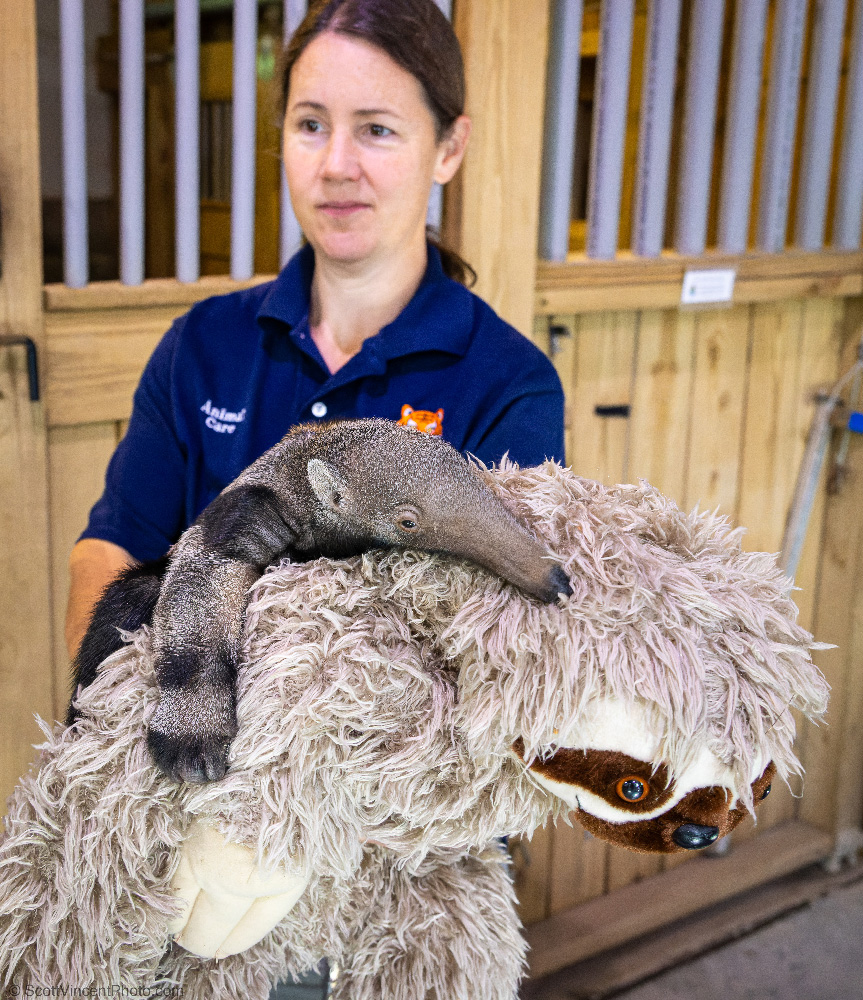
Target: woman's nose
[340, 159]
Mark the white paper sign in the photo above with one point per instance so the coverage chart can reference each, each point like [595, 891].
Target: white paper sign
[707, 286]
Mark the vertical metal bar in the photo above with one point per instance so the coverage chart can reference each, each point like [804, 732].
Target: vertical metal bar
[187, 36]
[434, 214]
[848, 217]
[245, 84]
[290, 236]
[825, 63]
[778, 158]
[609, 128]
[741, 129]
[76, 262]
[561, 108]
[654, 134]
[699, 126]
[132, 141]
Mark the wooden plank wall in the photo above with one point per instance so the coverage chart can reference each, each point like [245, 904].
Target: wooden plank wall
[25, 637]
[721, 402]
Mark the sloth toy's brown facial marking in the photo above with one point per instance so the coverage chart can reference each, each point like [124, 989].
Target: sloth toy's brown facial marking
[621, 780]
[698, 820]
[634, 788]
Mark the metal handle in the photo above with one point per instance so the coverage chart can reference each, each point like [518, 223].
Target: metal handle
[32, 363]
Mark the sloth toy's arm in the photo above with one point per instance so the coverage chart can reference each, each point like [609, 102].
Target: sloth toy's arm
[449, 930]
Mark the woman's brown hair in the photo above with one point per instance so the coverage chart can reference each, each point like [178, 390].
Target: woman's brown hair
[416, 36]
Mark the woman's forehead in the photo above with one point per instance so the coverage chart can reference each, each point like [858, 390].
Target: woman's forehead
[337, 72]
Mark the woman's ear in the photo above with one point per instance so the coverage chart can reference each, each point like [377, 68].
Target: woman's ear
[451, 149]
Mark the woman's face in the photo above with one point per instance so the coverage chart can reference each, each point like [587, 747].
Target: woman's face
[360, 150]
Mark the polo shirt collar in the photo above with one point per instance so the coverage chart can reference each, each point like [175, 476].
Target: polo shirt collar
[438, 317]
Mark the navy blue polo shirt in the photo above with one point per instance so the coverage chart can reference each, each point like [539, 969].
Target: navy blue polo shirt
[237, 371]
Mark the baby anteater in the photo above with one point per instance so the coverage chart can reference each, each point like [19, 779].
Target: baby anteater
[333, 489]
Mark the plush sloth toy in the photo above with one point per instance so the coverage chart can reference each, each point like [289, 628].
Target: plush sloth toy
[399, 712]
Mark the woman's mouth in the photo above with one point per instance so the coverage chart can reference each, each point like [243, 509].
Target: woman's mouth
[342, 209]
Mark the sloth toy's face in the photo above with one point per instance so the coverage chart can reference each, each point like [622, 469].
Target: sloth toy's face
[606, 774]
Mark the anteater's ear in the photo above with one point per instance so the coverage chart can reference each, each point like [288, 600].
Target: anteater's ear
[328, 484]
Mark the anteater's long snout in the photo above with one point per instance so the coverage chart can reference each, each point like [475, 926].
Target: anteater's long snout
[511, 552]
[548, 587]
[558, 583]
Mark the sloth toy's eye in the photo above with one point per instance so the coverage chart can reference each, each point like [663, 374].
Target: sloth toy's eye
[632, 789]
[765, 793]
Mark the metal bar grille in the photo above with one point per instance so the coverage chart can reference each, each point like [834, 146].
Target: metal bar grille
[187, 125]
[609, 128]
[741, 131]
[76, 264]
[290, 235]
[564, 60]
[132, 141]
[654, 139]
[699, 124]
[849, 195]
[243, 140]
[775, 187]
[825, 62]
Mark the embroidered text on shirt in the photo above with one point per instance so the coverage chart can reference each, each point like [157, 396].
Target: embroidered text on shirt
[222, 421]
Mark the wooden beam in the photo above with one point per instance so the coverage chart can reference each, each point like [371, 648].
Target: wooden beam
[645, 906]
[25, 599]
[155, 292]
[630, 282]
[497, 217]
[576, 286]
[635, 961]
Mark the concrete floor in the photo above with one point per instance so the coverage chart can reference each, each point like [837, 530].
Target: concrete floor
[312, 987]
[815, 953]
[812, 953]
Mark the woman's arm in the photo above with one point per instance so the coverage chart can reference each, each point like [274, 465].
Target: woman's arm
[93, 564]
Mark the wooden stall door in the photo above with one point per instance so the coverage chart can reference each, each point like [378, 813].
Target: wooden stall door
[25, 640]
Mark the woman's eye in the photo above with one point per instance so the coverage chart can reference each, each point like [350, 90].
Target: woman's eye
[310, 125]
[380, 131]
[632, 789]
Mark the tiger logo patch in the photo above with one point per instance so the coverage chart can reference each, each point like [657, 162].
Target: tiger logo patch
[423, 420]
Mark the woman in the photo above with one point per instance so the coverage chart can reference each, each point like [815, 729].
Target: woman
[364, 321]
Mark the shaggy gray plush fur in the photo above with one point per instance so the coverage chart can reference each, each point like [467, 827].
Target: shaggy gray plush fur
[378, 702]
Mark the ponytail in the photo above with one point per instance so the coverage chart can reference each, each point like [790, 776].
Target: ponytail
[454, 265]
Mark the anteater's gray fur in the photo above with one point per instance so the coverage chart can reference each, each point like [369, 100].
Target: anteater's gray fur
[333, 489]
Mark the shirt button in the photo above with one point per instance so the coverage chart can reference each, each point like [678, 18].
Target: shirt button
[319, 409]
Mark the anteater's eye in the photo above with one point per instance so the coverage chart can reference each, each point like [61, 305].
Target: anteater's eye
[632, 789]
[765, 793]
[407, 524]
[337, 499]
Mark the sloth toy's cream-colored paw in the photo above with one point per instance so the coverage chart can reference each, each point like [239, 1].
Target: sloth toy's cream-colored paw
[229, 901]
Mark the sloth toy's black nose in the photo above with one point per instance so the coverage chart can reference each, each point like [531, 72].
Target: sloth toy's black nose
[692, 837]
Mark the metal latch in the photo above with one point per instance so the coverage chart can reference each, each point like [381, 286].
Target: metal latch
[32, 362]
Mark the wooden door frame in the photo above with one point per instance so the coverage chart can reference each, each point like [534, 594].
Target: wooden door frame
[26, 681]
